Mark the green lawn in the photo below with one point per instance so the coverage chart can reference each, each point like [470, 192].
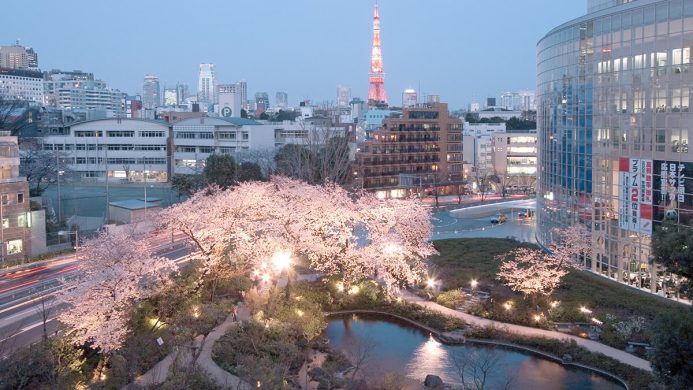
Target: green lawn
[461, 260]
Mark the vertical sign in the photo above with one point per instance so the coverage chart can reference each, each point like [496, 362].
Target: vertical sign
[624, 193]
[635, 194]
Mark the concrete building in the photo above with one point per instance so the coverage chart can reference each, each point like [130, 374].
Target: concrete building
[120, 150]
[229, 101]
[18, 57]
[151, 95]
[420, 150]
[171, 97]
[261, 103]
[514, 155]
[614, 121]
[20, 84]
[477, 144]
[15, 215]
[282, 100]
[207, 84]
[343, 96]
[77, 90]
[497, 112]
[132, 210]
[517, 101]
[242, 89]
[409, 98]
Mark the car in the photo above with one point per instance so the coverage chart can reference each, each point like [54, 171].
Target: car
[498, 219]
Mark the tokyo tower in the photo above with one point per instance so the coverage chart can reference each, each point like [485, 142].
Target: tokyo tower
[376, 92]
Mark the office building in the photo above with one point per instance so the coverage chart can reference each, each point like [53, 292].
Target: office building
[261, 103]
[21, 84]
[343, 96]
[420, 150]
[514, 161]
[409, 98]
[282, 100]
[207, 84]
[15, 215]
[120, 150]
[151, 92]
[18, 57]
[77, 90]
[171, 97]
[242, 88]
[614, 121]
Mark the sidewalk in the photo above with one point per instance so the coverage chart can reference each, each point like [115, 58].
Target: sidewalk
[593, 346]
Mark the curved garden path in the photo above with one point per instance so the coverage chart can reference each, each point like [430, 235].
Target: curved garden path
[617, 354]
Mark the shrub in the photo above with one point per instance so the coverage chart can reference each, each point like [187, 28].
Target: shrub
[452, 299]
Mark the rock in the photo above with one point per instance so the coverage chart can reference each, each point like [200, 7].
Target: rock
[433, 382]
[567, 358]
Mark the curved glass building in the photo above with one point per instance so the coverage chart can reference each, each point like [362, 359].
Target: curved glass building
[613, 94]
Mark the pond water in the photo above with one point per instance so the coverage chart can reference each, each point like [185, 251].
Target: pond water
[393, 346]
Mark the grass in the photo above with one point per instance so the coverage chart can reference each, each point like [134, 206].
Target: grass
[461, 260]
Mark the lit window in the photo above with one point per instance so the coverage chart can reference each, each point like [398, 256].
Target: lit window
[14, 247]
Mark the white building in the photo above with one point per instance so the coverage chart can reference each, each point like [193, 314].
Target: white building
[409, 98]
[151, 97]
[282, 100]
[343, 96]
[171, 97]
[207, 84]
[477, 147]
[21, 84]
[122, 150]
[500, 113]
[78, 90]
[18, 57]
[229, 101]
[515, 160]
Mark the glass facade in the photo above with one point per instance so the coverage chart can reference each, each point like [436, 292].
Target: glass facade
[613, 95]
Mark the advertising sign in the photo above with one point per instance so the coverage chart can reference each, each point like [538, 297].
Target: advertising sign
[673, 186]
[635, 194]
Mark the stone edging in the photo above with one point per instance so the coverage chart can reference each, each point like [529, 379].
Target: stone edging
[440, 336]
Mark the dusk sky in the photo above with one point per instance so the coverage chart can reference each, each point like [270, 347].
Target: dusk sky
[462, 50]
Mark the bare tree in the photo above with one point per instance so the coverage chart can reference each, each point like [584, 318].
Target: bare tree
[482, 178]
[474, 368]
[360, 352]
[15, 115]
[42, 167]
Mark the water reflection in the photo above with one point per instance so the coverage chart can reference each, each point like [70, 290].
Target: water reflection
[390, 346]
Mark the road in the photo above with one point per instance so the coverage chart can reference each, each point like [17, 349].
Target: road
[26, 293]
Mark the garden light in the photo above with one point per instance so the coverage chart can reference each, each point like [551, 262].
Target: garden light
[508, 305]
[281, 261]
[474, 283]
[430, 283]
[585, 310]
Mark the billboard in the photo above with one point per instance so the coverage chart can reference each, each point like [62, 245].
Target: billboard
[636, 194]
[673, 187]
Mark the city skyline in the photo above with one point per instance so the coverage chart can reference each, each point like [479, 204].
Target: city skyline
[482, 46]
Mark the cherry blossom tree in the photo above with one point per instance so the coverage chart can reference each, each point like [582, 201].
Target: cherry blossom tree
[531, 271]
[572, 245]
[118, 268]
[338, 233]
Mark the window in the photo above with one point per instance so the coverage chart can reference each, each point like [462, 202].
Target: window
[21, 220]
[206, 149]
[152, 134]
[185, 134]
[20, 197]
[5, 223]
[186, 149]
[227, 135]
[120, 133]
[245, 135]
[206, 135]
[14, 247]
[5, 199]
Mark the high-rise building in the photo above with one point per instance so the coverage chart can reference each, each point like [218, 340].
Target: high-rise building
[77, 90]
[490, 102]
[517, 101]
[376, 92]
[229, 101]
[207, 84]
[18, 57]
[282, 100]
[151, 92]
[420, 150]
[343, 96]
[614, 123]
[171, 97]
[242, 88]
[261, 103]
[409, 98]
[183, 92]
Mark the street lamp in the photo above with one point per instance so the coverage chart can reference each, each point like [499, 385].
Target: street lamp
[474, 283]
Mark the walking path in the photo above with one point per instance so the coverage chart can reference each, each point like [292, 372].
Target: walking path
[617, 354]
[186, 356]
[204, 361]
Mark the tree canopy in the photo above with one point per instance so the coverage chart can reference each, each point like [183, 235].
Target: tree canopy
[220, 169]
[672, 247]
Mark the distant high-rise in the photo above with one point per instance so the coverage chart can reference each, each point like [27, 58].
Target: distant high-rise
[183, 92]
[376, 92]
[171, 97]
[207, 84]
[242, 88]
[282, 100]
[151, 97]
[229, 101]
[343, 96]
[409, 98]
[261, 102]
[18, 57]
[490, 102]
